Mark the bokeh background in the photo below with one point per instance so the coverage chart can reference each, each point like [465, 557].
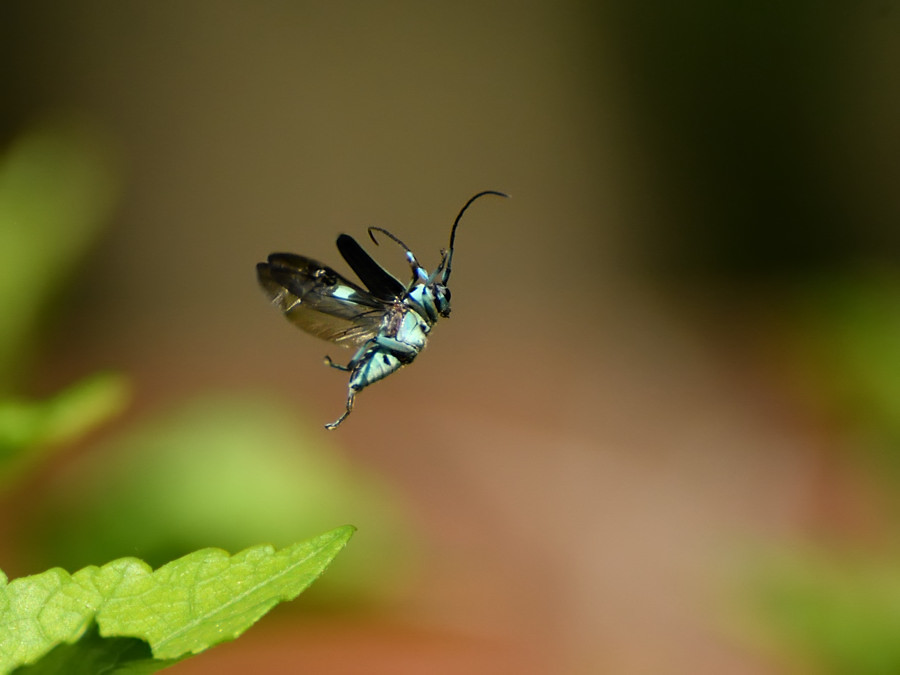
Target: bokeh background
[658, 435]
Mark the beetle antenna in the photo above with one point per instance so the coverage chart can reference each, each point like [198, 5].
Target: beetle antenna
[445, 263]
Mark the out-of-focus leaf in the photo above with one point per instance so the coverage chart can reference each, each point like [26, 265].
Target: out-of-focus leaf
[184, 607]
[28, 428]
[845, 338]
[223, 471]
[839, 613]
[57, 188]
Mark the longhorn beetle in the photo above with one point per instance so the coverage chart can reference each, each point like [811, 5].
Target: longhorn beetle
[388, 324]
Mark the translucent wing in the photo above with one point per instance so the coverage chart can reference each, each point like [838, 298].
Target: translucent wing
[319, 300]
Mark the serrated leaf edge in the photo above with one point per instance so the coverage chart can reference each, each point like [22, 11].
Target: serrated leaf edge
[85, 581]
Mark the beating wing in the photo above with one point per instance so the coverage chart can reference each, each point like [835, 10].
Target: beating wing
[319, 300]
[381, 283]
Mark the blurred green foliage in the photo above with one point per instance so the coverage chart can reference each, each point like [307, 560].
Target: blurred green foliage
[226, 471]
[838, 610]
[838, 606]
[847, 338]
[29, 428]
[58, 184]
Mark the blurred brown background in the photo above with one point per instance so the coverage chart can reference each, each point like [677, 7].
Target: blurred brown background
[638, 395]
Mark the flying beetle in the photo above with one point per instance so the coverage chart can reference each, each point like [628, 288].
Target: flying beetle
[388, 323]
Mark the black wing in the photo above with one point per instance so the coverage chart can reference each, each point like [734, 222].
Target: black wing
[319, 300]
[381, 283]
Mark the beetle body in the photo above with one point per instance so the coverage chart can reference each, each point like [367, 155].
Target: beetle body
[387, 322]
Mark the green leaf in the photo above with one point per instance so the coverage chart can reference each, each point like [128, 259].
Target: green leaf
[184, 607]
[27, 427]
[93, 654]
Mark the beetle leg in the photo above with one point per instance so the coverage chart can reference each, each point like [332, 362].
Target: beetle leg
[329, 362]
[334, 425]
